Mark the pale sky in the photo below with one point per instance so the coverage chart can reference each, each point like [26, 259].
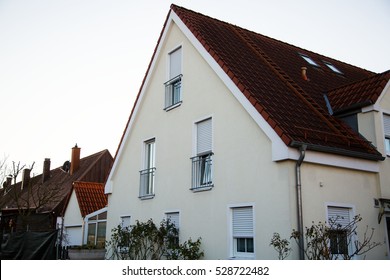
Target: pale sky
[70, 69]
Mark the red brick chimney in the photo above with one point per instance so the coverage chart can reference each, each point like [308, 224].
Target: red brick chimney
[46, 170]
[75, 160]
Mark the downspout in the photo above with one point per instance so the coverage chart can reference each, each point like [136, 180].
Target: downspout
[301, 244]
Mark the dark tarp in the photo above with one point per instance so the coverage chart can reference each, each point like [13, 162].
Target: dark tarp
[29, 246]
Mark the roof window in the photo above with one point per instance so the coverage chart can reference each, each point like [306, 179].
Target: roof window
[309, 60]
[333, 68]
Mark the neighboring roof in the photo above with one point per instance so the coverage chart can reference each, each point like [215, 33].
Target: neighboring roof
[53, 194]
[359, 94]
[90, 196]
[268, 73]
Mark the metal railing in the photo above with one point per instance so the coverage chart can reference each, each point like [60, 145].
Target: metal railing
[147, 182]
[202, 174]
[173, 91]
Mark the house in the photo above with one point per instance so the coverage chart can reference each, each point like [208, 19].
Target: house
[237, 136]
[35, 203]
[84, 218]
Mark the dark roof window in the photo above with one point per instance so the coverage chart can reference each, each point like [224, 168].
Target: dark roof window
[333, 68]
[309, 60]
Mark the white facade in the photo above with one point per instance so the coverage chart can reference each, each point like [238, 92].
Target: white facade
[252, 169]
[73, 223]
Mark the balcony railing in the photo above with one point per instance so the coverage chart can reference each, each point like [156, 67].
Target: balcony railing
[202, 174]
[173, 92]
[147, 182]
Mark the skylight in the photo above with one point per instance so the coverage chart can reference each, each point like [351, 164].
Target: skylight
[333, 68]
[309, 60]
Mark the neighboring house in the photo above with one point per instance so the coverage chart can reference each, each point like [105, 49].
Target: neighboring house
[236, 136]
[85, 215]
[35, 203]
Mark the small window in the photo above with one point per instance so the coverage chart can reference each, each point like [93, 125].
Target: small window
[125, 221]
[148, 173]
[339, 219]
[202, 176]
[173, 85]
[243, 236]
[309, 60]
[386, 130]
[332, 67]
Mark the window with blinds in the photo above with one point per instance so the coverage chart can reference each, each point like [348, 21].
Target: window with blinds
[339, 219]
[386, 129]
[202, 175]
[173, 85]
[243, 233]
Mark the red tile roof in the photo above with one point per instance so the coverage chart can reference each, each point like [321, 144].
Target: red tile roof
[268, 73]
[90, 196]
[359, 94]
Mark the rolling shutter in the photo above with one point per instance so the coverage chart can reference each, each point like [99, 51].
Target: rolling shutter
[242, 222]
[386, 124]
[174, 218]
[204, 136]
[175, 63]
[339, 216]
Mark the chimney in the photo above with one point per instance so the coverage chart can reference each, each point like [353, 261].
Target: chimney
[25, 178]
[7, 184]
[304, 74]
[46, 170]
[75, 160]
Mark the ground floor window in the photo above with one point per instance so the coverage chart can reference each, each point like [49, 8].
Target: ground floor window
[243, 233]
[96, 229]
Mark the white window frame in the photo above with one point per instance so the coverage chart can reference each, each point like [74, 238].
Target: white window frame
[232, 240]
[207, 155]
[386, 133]
[149, 169]
[122, 219]
[97, 221]
[170, 101]
[351, 209]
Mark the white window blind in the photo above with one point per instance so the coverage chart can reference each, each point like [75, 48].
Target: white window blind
[175, 63]
[204, 136]
[243, 222]
[386, 124]
[339, 216]
[174, 218]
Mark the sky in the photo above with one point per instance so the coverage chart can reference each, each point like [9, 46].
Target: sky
[70, 69]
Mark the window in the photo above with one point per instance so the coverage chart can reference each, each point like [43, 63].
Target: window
[386, 126]
[332, 67]
[173, 85]
[202, 163]
[174, 218]
[96, 230]
[243, 241]
[125, 221]
[148, 173]
[309, 60]
[339, 219]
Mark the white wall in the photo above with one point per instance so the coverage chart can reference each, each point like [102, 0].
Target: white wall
[73, 222]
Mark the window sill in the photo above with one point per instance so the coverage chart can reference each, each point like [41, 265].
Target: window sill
[173, 106]
[146, 197]
[202, 189]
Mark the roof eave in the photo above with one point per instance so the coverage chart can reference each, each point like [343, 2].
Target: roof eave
[338, 151]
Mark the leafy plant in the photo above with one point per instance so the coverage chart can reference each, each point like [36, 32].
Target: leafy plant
[146, 240]
[328, 241]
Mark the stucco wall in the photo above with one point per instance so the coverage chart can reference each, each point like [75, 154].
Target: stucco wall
[73, 222]
[244, 173]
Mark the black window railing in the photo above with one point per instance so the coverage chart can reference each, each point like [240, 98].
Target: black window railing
[173, 92]
[202, 173]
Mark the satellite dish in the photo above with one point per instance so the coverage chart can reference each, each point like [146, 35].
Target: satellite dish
[66, 166]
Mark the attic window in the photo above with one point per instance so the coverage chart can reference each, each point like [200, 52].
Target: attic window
[309, 60]
[332, 67]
